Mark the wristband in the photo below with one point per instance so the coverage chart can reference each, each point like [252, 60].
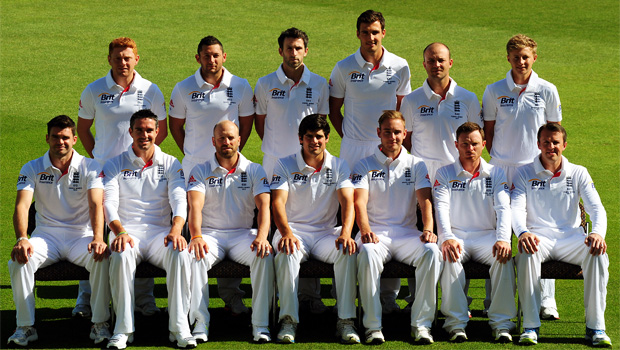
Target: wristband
[197, 236]
[521, 234]
[21, 239]
[121, 233]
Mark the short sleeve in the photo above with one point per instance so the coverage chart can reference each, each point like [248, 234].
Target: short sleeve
[489, 107]
[177, 104]
[87, 105]
[337, 86]
[246, 106]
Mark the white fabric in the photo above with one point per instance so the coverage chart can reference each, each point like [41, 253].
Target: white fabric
[555, 200]
[475, 211]
[319, 245]
[459, 197]
[391, 188]
[234, 244]
[547, 205]
[149, 246]
[50, 245]
[61, 200]
[367, 91]
[352, 151]
[104, 101]
[203, 105]
[404, 245]
[312, 202]
[228, 195]
[518, 116]
[285, 104]
[432, 121]
[142, 195]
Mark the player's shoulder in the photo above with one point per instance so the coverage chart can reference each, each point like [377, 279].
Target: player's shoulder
[98, 84]
[317, 79]
[237, 81]
[462, 93]
[395, 60]
[496, 86]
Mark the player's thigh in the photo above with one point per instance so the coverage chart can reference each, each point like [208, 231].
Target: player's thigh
[324, 248]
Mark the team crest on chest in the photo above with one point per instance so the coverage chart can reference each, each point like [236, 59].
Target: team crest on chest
[407, 180]
[457, 110]
[329, 177]
[244, 185]
[75, 181]
[309, 101]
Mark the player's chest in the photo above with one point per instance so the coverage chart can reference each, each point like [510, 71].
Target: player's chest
[121, 103]
[303, 96]
[224, 99]
[237, 185]
[452, 112]
[149, 180]
[551, 189]
[527, 104]
[366, 80]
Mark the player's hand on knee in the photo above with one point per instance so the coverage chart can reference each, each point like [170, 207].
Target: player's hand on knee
[262, 247]
[502, 251]
[451, 250]
[597, 244]
[118, 244]
[369, 237]
[22, 251]
[198, 247]
[177, 240]
[428, 236]
[98, 249]
[528, 243]
[288, 244]
[347, 244]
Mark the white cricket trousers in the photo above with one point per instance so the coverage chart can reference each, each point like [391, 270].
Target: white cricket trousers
[478, 247]
[149, 246]
[407, 248]
[236, 245]
[321, 246]
[51, 245]
[567, 247]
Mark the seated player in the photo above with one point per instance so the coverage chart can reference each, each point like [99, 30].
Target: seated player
[68, 194]
[472, 204]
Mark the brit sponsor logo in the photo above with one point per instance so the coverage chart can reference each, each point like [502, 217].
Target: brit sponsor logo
[130, 174]
[264, 181]
[376, 175]
[45, 178]
[537, 184]
[458, 186]
[21, 179]
[299, 178]
[181, 173]
[355, 178]
[426, 111]
[505, 101]
[505, 185]
[106, 98]
[277, 94]
[213, 181]
[197, 96]
[357, 77]
[275, 179]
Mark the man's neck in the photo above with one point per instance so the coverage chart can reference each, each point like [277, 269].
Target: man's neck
[292, 73]
[145, 155]
[553, 167]
[521, 79]
[392, 155]
[124, 82]
[227, 163]
[373, 57]
[213, 78]
[314, 161]
[471, 166]
[62, 163]
[439, 86]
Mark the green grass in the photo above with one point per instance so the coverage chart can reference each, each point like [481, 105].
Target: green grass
[49, 51]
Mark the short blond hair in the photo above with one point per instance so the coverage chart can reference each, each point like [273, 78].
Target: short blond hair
[519, 42]
[391, 114]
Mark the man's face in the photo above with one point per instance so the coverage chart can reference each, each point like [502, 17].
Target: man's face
[551, 145]
[226, 140]
[370, 36]
[522, 60]
[437, 62]
[392, 133]
[470, 146]
[211, 59]
[123, 60]
[293, 52]
[313, 142]
[61, 141]
[143, 133]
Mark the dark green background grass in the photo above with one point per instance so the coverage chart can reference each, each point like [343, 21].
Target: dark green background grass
[50, 50]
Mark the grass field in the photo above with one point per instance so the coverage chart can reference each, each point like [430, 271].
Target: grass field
[50, 50]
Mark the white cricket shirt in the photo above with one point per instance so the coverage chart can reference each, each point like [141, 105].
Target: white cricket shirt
[105, 101]
[229, 196]
[368, 91]
[548, 204]
[472, 203]
[61, 200]
[312, 203]
[203, 105]
[391, 186]
[285, 104]
[141, 194]
[432, 121]
[518, 114]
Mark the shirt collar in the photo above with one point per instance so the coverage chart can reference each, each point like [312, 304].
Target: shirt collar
[430, 94]
[362, 62]
[225, 82]
[76, 158]
[531, 84]
[541, 171]
[385, 160]
[307, 169]
[134, 159]
[242, 165]
[305, 76]
[483, 171]
[111, 83]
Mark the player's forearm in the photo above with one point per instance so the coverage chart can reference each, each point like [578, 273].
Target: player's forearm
[178, 134]
[116, 227]
[489, 132]
[88, 141]
[177, 225]
[245, 129]
[163, 132]
[259, 125]
[95, 211]
[20, 220]
[335, 114]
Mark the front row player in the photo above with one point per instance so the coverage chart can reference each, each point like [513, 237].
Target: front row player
[222, 195]
[388, 185]
[68, 193]
[546, 218]
[143, 187]
[306, 189]
[466, 189]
